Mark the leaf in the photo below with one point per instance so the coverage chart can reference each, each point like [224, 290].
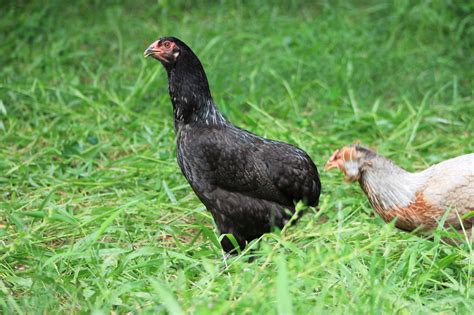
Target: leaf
[169, 193]
[141, 252]
[62, 218]
[22, 282]
[232, 240]
[284, 306]
[468, 215]
[92, 139]
[167, 299]
[210, 235]
[3, 110]
[33, 214]
[17, 222]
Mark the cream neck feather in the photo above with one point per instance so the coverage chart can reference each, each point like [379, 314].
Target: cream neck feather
[389, 186]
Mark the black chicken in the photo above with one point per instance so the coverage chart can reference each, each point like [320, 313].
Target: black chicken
[248, 183]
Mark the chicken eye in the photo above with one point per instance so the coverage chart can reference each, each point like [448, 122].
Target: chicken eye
[167, 44]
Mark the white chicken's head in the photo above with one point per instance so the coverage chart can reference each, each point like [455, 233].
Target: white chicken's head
[352, 160]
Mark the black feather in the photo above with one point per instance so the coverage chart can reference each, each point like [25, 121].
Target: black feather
[248, 183]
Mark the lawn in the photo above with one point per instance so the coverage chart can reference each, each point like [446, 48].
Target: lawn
[96, 217]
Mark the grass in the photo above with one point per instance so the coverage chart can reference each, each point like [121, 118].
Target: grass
[95, 216]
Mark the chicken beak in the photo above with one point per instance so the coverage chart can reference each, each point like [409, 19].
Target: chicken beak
[148, 52]
[152, 49]
[330, 165]
[332, 162]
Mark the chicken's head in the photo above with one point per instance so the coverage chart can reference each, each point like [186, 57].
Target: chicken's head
[167, 50]
[352, 160]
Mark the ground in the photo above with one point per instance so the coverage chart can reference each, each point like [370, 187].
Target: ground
[95, 215]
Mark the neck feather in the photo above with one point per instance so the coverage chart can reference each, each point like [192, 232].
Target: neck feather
[388, 186]
[190, 94]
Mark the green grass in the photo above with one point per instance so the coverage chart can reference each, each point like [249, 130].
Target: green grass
[95, 215]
